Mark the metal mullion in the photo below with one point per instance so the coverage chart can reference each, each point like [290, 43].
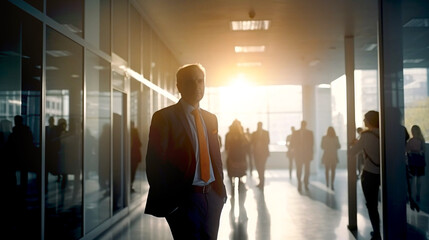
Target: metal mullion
[43, 132]
[83, 138]
[58, 27]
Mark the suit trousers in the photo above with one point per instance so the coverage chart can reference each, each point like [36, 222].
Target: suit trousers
[370, 187]
[299, 165]
[197, 217]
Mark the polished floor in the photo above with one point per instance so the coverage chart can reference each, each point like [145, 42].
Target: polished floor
[280, 212]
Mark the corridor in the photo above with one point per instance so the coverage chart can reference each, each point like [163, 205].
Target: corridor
[281, 212]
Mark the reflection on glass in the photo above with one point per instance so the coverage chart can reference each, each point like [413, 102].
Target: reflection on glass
[135, 40]
[416, 111]
[97, 24]
[120, 31]
[68, 13]
[97, 141]
[63, 206]
[20, 89]
[136, 175]
[119, 193]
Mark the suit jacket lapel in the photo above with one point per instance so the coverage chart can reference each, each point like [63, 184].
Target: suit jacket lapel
[181, 115]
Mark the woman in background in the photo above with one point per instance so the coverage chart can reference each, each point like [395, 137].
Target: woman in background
[416, 158]
[330, 145]
[235, 147]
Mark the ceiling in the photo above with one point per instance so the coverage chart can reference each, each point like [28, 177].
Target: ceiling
[301, 33]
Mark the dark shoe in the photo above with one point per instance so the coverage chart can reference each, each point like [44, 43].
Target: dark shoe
[306, 187]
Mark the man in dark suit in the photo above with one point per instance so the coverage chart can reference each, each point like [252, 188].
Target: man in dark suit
[184, 167]
[260, 142]
[302, 145]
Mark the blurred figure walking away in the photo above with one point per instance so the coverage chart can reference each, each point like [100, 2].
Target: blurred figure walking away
[235, 147]
[289, 153]
[303, 144]
[136, 156]
[260, 142]
[330, 145]
[249, 150]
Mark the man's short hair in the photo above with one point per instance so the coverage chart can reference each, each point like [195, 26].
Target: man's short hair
[184, 71]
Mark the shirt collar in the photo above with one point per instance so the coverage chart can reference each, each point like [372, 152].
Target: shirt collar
[188, 108]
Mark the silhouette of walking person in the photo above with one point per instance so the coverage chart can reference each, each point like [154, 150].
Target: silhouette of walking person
[416, 160]
[260, 143]
[302, 144]
[21, 148]
[289, 153]
[136, 156]
[330, 145]
[249, 151]
[235, 147]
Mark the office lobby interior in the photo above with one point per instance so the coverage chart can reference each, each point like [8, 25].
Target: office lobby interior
[85, 77]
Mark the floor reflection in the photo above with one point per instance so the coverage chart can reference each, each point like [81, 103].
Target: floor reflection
[279, 212]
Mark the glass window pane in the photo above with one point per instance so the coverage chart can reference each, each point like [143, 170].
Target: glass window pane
[20, 90]
[120, 29]
[63, 137]
[97, 141]
[146, 42]
[97, 24]
[68, 13]
[135, 41]
[136, 147]
[415, 37]
[36, 3]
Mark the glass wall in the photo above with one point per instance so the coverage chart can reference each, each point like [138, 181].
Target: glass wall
[97, 141]
[97, 24]
[136, 151]
[68, 13]
[120, 28]
[63, 114]
[20, 112]
[415, 40]
[76, 115]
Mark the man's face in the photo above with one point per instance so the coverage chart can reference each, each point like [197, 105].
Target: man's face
[192, 87]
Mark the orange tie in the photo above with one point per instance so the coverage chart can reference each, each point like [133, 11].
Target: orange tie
[204, 153]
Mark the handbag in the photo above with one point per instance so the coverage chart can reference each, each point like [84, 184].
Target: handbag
[416, 159]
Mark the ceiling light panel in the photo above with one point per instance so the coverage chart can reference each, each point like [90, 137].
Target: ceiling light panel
[249, 64]
[250, 25]
[417, 22]
[249, 49]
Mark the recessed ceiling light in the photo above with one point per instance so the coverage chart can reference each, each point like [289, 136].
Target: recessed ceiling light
[249, 64]
[72, 28]
[58, 53]
[369, 46]
[249, 49]
[324, 85]
[250, 25]
[314, 63]
[418, 60]
[417, 22]
[51, 68]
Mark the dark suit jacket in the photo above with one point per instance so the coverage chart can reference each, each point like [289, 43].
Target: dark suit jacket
[260, 142]
[170, 159]
[303, 145]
